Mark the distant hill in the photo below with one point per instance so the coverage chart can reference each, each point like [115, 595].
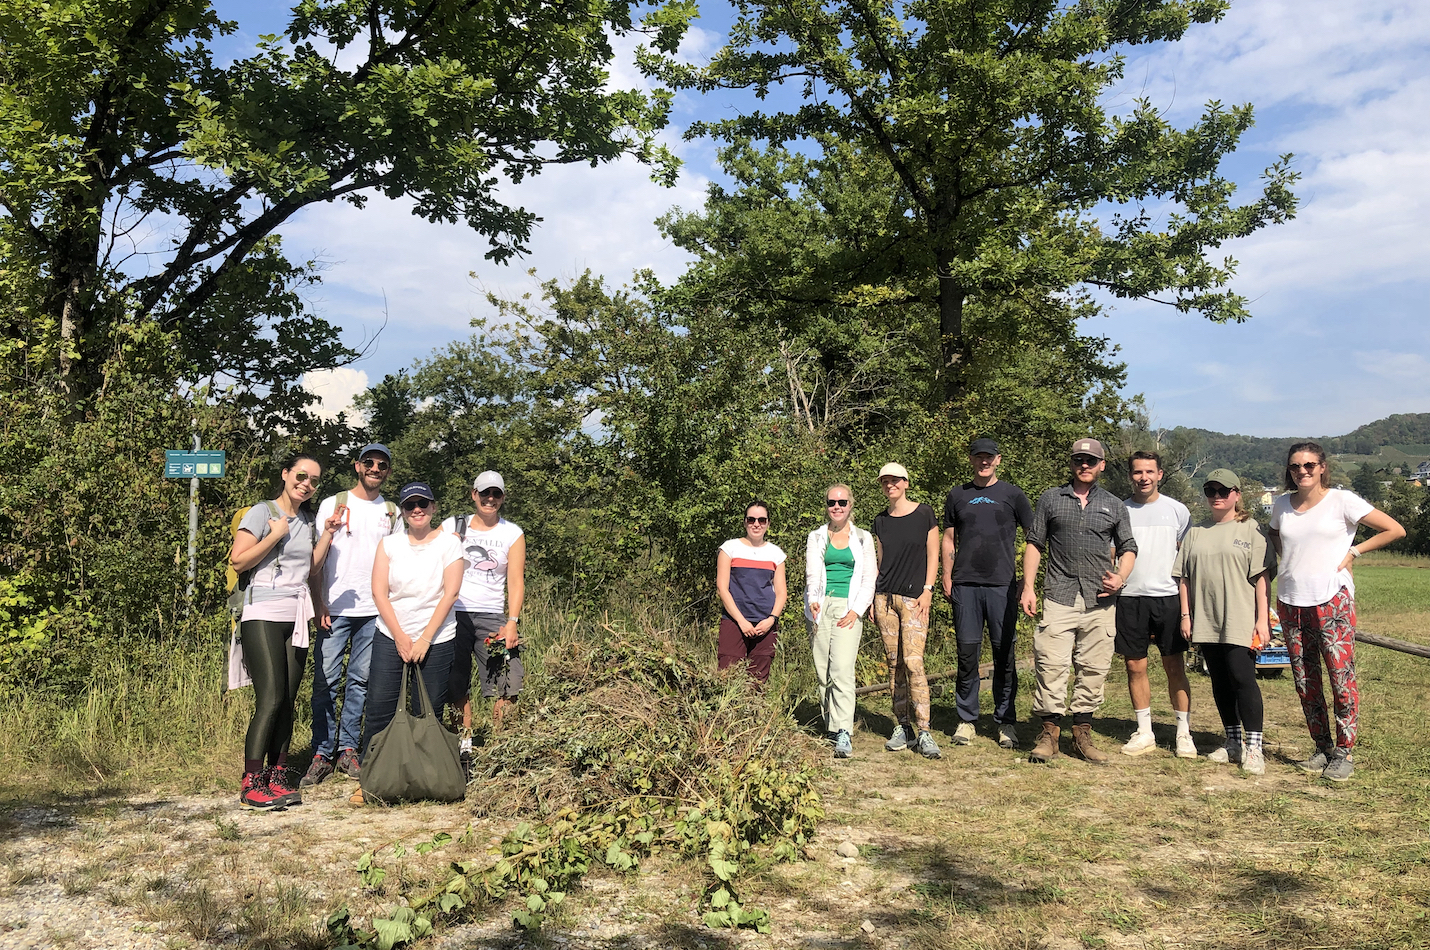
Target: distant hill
[1401, 440]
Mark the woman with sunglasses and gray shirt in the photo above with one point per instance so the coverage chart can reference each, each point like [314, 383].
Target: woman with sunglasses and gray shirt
[840, 567]
[276, 549]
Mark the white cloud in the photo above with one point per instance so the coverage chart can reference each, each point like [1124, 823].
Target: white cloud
[335, 389]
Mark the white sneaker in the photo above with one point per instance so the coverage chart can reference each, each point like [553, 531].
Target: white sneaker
[1186, 748]
[964, 734]
[1253, 762]
[1227, 754]
[1140, 744]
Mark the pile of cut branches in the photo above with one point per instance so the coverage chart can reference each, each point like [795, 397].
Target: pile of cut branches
[629, 745]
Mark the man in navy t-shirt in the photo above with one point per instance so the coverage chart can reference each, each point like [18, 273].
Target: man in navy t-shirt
[980, 523]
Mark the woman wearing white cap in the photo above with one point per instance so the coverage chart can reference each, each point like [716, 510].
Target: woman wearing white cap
[490, 602]
[1222, 572]
[908, 542]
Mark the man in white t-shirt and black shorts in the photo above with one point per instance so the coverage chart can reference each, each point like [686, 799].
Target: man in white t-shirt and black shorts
[347, 617]
[489, 604]
[1150, 608]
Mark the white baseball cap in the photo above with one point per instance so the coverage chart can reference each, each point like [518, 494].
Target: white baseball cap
[489, 480]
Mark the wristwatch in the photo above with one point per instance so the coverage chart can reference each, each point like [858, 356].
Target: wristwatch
[928, 587]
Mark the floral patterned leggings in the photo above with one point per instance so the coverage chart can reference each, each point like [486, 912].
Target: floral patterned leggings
[1328, 629]
[904, 635]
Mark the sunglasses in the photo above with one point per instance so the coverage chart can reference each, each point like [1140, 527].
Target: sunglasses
[837, 502]
[1217, 491]
[1086, 461]
[412, 504]
[1308, 467]
[755, 520]
[490, 493]
[302, 477]
[381, 465]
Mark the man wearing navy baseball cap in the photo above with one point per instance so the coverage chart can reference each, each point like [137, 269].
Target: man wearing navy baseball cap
[347, 616]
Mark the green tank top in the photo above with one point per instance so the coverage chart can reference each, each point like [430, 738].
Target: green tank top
[838, 570]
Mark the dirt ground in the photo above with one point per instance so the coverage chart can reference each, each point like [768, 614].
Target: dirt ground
[979, 849]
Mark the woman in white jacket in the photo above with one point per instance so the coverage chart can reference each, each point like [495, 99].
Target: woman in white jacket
[840, 567]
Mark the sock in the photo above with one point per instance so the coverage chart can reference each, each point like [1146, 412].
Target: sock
[252, 765]
[282, 762]
[1144, 720]
[1184, 723]
[466, 744]
[1233, 735]
[1253, 740]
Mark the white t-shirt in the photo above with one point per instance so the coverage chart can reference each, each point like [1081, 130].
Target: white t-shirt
[1313, 544]
[1159, 528]
[486, 551]
[414, 583]
[347, 571]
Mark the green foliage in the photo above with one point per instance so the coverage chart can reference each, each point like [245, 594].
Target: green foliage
[637, 748]
[986, 125]
[116, 114]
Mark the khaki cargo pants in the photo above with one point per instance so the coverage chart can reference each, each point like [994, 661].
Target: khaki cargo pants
[1075, 637]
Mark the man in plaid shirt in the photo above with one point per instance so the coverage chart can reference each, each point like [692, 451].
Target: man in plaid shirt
[1086, 533]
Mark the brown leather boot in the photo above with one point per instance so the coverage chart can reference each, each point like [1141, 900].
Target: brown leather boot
[1046, 748]
[1082, 744]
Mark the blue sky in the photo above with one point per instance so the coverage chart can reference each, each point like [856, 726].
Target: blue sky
[1340, 296]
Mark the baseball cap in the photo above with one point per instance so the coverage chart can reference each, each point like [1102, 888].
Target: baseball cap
[1088, 447]
[982, 446]
[896, 470]
[374, 447]
[1225, 477]
[415, 490]
[489, 480]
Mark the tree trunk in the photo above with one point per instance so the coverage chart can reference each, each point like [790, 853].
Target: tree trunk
[953, 347]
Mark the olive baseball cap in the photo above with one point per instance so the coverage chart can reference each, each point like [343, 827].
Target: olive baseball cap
[1088, 447]
[1225, 477]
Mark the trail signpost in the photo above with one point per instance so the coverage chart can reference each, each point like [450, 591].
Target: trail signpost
[194, 465]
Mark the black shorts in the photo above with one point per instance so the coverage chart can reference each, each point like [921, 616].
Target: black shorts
[1142, 621]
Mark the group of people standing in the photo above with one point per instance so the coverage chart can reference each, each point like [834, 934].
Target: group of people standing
[1119, 577]
[390, 588]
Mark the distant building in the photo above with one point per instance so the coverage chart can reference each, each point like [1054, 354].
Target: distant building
[1423, 472]
[1267, 500]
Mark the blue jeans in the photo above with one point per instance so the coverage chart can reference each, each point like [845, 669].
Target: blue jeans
[352, 635]
[387, 671]
[975, 605]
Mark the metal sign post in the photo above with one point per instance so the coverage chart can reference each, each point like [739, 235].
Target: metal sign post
[193, 530]
[194, 465]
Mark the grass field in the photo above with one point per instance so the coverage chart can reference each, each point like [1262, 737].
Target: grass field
[978, 850]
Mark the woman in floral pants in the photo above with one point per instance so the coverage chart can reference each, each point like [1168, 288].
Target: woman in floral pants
[1312, 529]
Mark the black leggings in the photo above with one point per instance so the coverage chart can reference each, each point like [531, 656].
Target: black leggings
[277, 670]
[1234, 686]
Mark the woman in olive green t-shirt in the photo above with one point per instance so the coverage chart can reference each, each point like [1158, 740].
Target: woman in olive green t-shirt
[1223, 570]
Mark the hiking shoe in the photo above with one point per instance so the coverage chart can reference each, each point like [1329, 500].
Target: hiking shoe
[899, 741]
[1316, 764]
[1254, 762]
[1186, 748]
[964, 734]
[348, 764]
[843, 745]
[321, 768]
[926, 747]
[1083, 745]
[1340, 767]
[255, 794]
[1007, 735]
[357, 797]
[1140, 744]
[1231, 753]
[280, 783]
[1046, 748]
